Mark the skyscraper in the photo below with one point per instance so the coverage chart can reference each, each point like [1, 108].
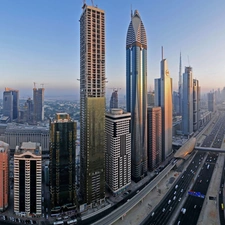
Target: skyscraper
[180, 91]
[92, 104]
[187, 116]
[11, 103]
[154, 137]
[196, 104]
[38, 104]
[114, 100]
[163, 98]
[118, 150]
[62, 160]
[136, 94]
[28, 178]
[211, 101]
[4, 176]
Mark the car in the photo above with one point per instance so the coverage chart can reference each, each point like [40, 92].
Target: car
[195, 206]
[170, 209]
[174, 192]
[178, 222]
[174, 197]
[169, 202]
[179, 199]
[182, 190]
[163, 210]
[153, 213]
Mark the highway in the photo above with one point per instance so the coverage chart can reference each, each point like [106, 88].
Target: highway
[166, 208]
[121, 211]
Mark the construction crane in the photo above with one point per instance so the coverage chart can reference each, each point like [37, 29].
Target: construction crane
[35, 84]
[115, 89]
[42, 85]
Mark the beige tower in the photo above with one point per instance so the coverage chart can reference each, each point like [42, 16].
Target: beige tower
[92, 104]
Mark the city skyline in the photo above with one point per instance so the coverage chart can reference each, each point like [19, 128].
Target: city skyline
[45, 48]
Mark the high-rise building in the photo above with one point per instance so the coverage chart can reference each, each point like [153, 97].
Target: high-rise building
[4, 176]
[151, 96]
[176, 103]
[136, 94]
[92, 104]
[211, 101]
[11, 103]
[38, 101]
[196, 104]
[187, 116]
[28, 178]
[180, 87]
[154, 137]
[163, 98]
[62, 161]
[114, 100]
[118, 150]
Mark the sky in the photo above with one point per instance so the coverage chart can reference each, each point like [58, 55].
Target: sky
[39, 42]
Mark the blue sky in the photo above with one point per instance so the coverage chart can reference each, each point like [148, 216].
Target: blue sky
[39, 42]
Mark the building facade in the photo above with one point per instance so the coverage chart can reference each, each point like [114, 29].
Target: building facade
[151, 98]
[196, 104]
[180, 87]
[11, 103]
[16, 134]
[62, 161]
[154, 137]
[38, 104]
[136, 94]
[118, 150]
[163, 98]
[114, 100]
[4, 176]
[187, 116]
[211, 101]
[28, 178]
[92, 104]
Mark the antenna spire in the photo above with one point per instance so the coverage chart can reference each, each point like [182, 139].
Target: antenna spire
[162, 52]
[131, 11]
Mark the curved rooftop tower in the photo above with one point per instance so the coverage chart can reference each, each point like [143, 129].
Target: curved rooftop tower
[136, 94]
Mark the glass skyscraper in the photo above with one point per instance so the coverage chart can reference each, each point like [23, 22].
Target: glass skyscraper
[136, 94]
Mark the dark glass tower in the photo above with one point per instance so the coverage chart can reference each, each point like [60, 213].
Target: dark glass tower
[136, 94]
[62, 160]
[114, 100]
[11, 103]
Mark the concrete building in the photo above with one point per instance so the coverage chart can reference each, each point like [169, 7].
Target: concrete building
[196, 104]
[176, 98]
[28, 179]
[92, 104]
[4, 176]
[118, 150]
[211, 101]
[114, 100]
[187, 116]
[11, 103]
[62, 161]
[136, 94]
[38, 104]
[163, 98]
[16, 134]
[154, 137]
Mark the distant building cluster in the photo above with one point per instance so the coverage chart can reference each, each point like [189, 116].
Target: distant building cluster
[32, 112]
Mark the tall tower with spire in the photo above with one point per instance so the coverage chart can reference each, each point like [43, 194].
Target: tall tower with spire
[180, 86]
[163, 98]
[136, 93]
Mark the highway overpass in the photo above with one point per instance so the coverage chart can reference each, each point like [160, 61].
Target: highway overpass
[219, 150]
[125, 208]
